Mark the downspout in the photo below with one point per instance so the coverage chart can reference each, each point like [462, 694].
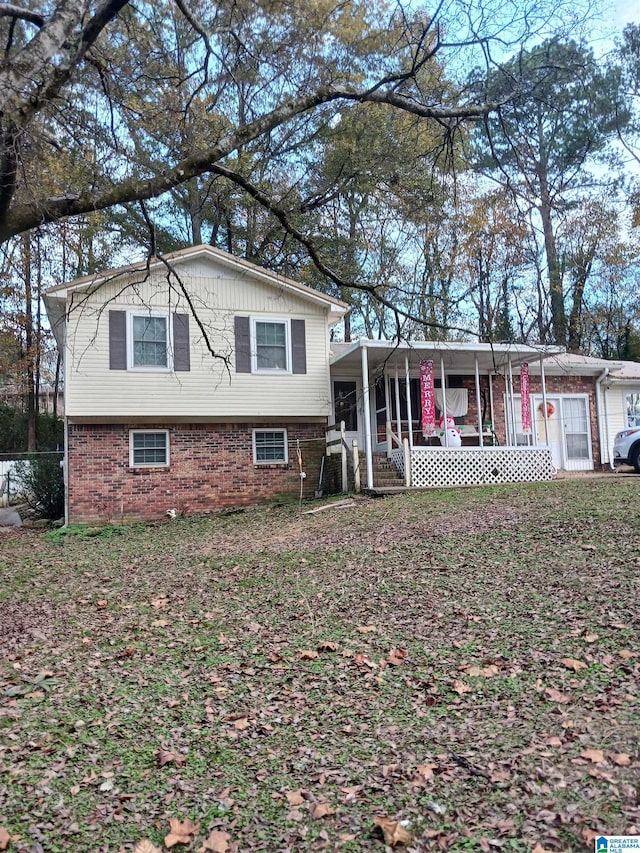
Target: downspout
[603, 432]
[65, 470]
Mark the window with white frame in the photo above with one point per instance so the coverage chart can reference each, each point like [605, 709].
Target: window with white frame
[149, 341]
[270, 446]
[270, 345]
[633, 409]
[149, 448]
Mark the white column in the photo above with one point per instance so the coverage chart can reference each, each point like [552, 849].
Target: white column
[491, 411]
[478, 400]
[544, 401]
[398, 418]
[444, 401]
[409, 412]
[387, 413]
[511, 404]
[367, 416]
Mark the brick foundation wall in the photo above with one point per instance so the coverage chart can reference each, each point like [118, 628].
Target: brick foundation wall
[211, 468]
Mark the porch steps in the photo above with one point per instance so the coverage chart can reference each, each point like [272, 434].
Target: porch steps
[385, 473]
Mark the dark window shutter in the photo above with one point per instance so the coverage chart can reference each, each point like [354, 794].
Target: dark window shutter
[117, 340]
[243, 345]
[298, 347]
[181, 349]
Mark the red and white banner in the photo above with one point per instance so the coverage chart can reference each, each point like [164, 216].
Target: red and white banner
[525, 399]
[427, 398]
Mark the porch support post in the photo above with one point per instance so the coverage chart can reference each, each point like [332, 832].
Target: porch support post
[544, 401]
[408, 392]
[387, 412]
[491, 411]
[478, 401]
[511, 404]
[398, 417]
[367, 416]
[444, 401]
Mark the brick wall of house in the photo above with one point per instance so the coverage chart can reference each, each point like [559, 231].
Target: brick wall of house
[211, 467]
[554, 385]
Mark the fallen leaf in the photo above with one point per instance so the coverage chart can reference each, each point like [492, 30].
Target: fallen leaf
[593, 755]
[307, 654]
[393, 831]
[625, 654]
[164, 756]
[540, 849]
[145, 846]
[217, 842]
[5, 838]
[572, 663]
[426, 770]
[363, 660]
[321, 810]
[367, 629]
[102, 603]
[241, 724]
[396, 656]
[557, 696]
[127, 652]
[621, 759]
[482, 671]
[351, 793]
[460, 687]
[327, 646]
[180, 832]
[160, 603]
[590, 638]
[294, 798]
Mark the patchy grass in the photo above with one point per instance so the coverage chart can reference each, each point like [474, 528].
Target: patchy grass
[464, 661]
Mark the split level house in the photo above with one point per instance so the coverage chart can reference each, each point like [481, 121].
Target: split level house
[198, 381]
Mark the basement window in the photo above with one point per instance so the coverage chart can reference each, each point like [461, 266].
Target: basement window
[149, 448]
[270, 446]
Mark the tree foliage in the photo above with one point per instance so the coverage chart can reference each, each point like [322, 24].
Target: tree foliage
[544, 143]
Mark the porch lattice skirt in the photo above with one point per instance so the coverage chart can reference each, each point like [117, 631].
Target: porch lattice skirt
[474, 466]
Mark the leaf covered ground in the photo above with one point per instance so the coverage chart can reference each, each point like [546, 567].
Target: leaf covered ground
[456, 670]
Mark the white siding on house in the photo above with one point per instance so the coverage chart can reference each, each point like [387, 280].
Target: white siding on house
[210, 389]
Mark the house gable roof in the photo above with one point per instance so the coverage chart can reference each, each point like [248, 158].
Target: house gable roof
[223, 259]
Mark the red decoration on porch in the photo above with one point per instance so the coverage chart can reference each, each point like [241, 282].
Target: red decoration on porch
[427, 398]
[525, 400]
[551, 410]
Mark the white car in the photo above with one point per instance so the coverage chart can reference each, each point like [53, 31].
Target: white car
[626, 448]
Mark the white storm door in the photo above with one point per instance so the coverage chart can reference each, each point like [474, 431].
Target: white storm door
[577, 433]
[553, 435]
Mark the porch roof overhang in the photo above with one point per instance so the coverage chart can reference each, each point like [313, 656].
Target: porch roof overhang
[457, 356]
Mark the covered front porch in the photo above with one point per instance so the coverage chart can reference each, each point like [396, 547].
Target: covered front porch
[378, 393]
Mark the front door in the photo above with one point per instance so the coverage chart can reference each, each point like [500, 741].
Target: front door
[567, 433]
[347, 407]
[552, 436]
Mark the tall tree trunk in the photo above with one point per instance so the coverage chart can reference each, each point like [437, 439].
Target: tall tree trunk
[29, 344]
[558, 314]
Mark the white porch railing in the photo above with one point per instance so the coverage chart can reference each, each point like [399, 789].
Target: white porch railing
[433, 467]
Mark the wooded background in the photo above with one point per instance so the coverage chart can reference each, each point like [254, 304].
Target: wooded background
[461, 170]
